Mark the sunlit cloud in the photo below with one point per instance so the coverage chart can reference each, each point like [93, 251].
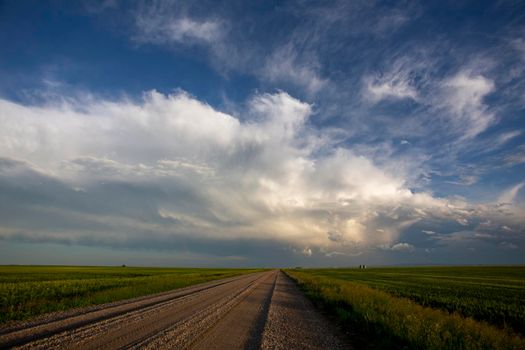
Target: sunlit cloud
[328, 132]
[202, 173]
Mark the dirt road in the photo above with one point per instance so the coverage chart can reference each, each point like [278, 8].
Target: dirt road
[256, 311]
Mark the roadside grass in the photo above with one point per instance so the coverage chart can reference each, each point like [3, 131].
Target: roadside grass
[494, 294]
[28, 291]
[394, 322]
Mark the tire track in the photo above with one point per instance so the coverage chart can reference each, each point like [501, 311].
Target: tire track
[242, 326]
[257, 311]
[190, 331]
[36, 332]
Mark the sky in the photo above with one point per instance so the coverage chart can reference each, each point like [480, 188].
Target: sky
[262, 133]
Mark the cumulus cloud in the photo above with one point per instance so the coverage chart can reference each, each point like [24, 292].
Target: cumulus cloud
[170, 171]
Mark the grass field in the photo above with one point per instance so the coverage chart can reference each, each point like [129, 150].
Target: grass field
[427, 307]
[27, 291]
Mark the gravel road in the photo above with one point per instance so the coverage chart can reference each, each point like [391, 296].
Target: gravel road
[256, 311]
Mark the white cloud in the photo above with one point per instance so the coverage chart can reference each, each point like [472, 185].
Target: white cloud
[508, 196]
[285, 65]
[508, 245]
[519, 45]
[307, 251]
[462, 221]
[402, 247]
[507, 136]
[518, 157]
[100, 6]
[463, 97]
[397, 83]
[166, 24]
[389, 23]
[161, 23]
[378, 89]
[182, 30]
[398, 247]
[44, 135]
[170, 166]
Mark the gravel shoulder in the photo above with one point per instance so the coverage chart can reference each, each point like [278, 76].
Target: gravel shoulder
[294, 323]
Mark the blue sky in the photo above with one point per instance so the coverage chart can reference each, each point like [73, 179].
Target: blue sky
[278, 133]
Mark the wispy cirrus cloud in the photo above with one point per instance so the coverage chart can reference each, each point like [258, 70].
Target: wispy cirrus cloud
[508, 196]
[516, 157]
[178, 30]
[519, 45]
[395, 87]
[464, 95]
[285, 65]
[396, 83]
[167, 23]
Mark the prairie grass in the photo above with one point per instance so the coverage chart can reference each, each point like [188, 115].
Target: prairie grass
[493, 294]
[27, 291]
[401, 322]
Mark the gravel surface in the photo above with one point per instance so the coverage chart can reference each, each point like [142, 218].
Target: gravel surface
[243, 326]
[64, 332]
[260, 310]
[294, 323]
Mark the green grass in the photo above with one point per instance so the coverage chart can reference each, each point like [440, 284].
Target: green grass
[492, 294]
[426, 307]
[27, 291]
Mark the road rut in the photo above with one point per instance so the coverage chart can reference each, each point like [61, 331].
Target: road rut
[260, 310]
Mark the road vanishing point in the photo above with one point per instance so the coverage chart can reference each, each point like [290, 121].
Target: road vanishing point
[262, 310]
